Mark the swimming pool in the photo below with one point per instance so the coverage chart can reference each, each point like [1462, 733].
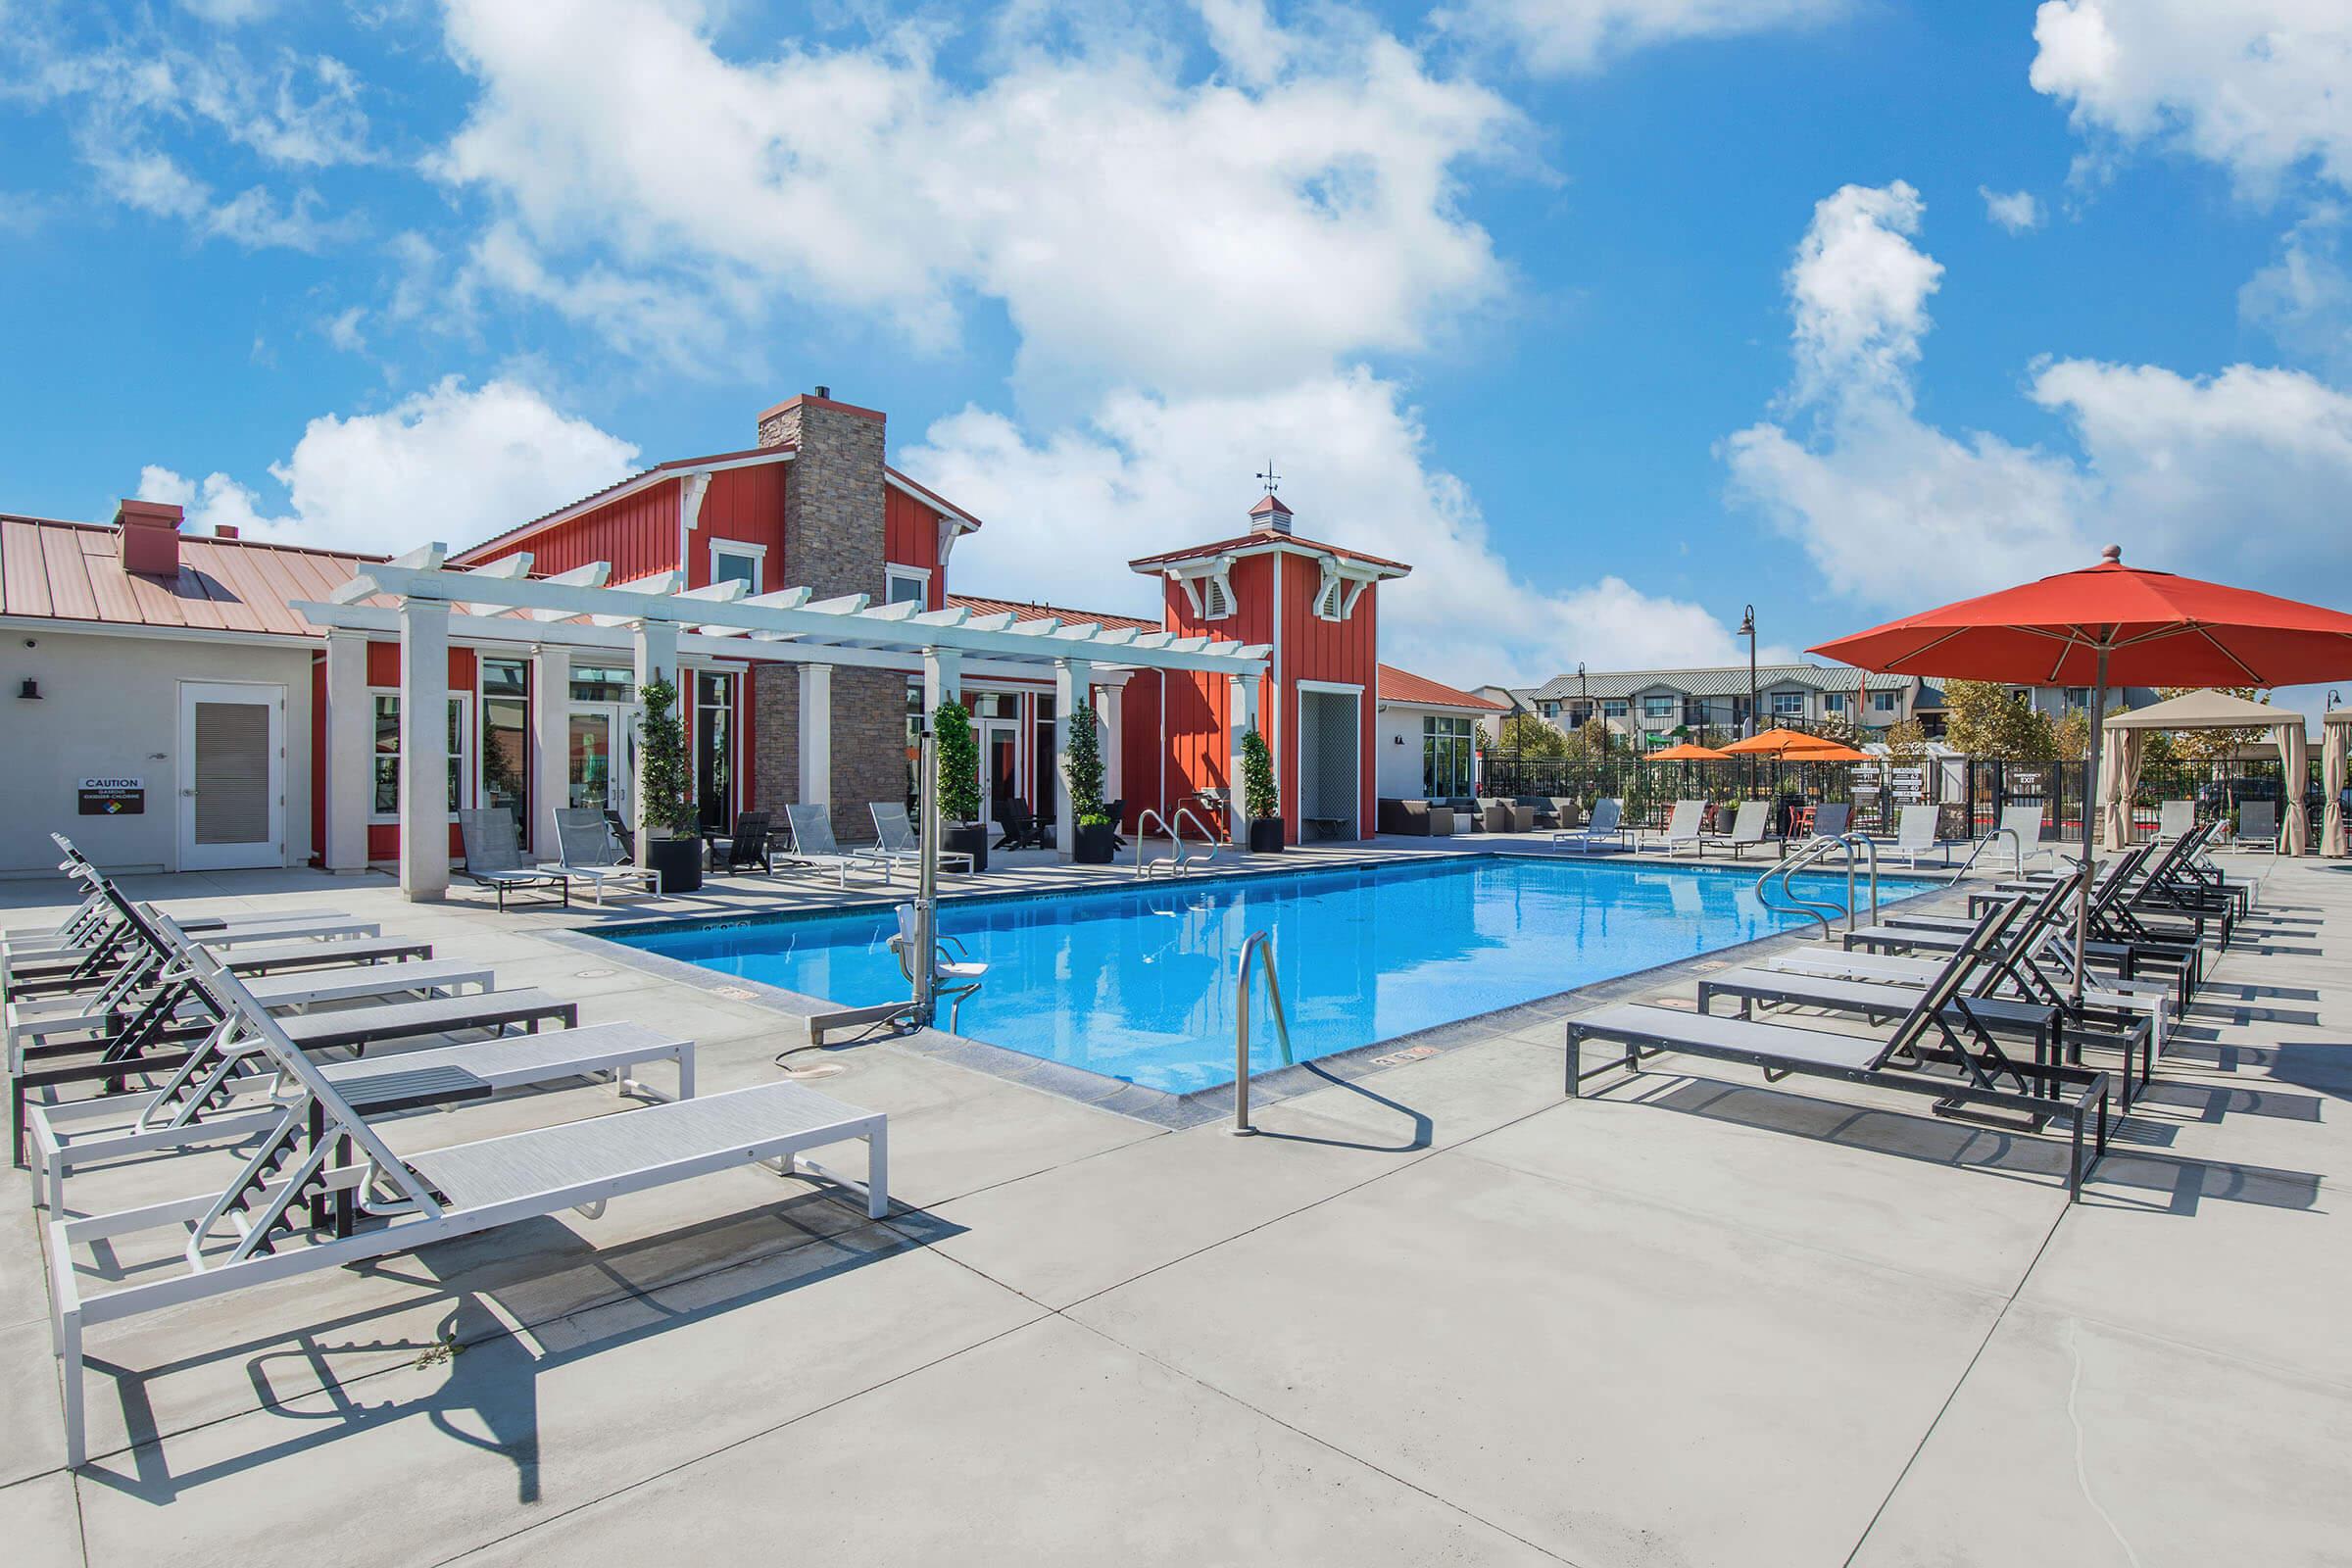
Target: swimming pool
[1137, 983]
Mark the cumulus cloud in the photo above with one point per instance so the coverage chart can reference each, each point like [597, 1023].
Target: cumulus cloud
[2016, 211]
[2237, 475]
[2256, 87]
[451, 463]
[1559, 36]
[1067, 508]
[2304, 298]
[1137, 226]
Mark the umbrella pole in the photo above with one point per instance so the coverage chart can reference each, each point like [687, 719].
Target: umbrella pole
[2092, 815]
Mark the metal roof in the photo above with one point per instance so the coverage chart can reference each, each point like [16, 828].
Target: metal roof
[1726, 680]
[74, 572]
[1404, 686]
[1025, 610]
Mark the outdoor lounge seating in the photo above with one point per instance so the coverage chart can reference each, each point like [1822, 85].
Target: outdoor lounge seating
[896, 843]
[494, 859]
[2174, 820]
[1981, 1076]
[591, 853]
[1498, 816]
[1915, 836]
[253, 1228]
[746, 849]
[2025, 821]
[1682, 827]
[2257, 825]
[1608, 824]
[1020, 829]
[1748, 827]
[814, 845]
[1419, 819]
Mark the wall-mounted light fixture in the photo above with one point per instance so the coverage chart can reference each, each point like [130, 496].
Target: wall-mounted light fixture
[31, 691]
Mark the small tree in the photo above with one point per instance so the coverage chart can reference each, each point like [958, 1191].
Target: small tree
[1530, 737]
[958, 757]
[2071, 735]
[1260, 799]
[1984, 720]
[1082, 767]
[1907, 743]
[666, 797]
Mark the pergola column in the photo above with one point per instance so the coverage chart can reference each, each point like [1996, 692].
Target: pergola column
[817, 735]
[551, 717]
[1073, 684]
[425, 749]
[943, 678]
[1241, 715]
[350, 744]
[655, 644]
[1111, 707]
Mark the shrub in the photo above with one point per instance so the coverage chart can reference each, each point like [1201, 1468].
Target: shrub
[1259, 797]
[1082, 767]
[667, 792]
[959, 758]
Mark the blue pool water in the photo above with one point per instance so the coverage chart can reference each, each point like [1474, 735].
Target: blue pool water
[1138, 983]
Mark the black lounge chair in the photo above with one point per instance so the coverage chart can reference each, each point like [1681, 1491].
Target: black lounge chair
[1021, 829]
[747, 847]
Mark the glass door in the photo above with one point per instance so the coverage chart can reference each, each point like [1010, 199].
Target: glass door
[714, 751]
[599, 768]
[999, 766]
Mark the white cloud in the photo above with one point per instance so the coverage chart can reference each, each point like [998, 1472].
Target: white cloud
[1891, 510]
[1137, 228]
[2257, 86]
[2304, 298]
[1579, 35]
[446, 464]
[2016, 211]
[1066, 510]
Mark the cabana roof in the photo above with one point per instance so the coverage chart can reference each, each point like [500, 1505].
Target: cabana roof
[2206, 709]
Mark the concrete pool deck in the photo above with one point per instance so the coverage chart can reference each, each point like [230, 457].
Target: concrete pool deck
[1437, 1313]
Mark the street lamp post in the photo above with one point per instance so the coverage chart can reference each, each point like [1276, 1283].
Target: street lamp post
[1748, 629]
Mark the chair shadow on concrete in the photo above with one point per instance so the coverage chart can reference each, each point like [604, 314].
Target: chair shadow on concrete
[518, 1299]
[2133, 1162]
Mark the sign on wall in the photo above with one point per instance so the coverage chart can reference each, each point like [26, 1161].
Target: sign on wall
[113, 797]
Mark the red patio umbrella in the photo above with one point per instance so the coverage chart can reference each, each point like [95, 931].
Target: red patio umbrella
[2111, 624]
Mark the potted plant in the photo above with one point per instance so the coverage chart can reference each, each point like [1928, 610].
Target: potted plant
[1260, 802]
[1097, 837]
[666, 796]
[958, 757]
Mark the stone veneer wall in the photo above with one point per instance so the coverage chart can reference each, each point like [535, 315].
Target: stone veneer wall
[833, 545]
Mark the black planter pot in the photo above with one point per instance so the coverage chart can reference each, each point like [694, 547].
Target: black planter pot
[971, 838]
[1266, 834]
[679, 863]
[1095, 845]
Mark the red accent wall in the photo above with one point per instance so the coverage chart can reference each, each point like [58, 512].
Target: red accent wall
[911, 538]
[383, 670]
[638, 535]
[1344, 651]
[318, 758]
[741, 504]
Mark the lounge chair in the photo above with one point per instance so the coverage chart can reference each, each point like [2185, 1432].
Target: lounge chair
[2257, 826]
[1608, 822]
[895, 839]
[1682, 827]
[1985, 1077]
[746, 849]
[1915, 836]
[1418, 819]
[2025, 821]
[73, 936]
[1831, 819]
[954, 973]
[592, 855]
[494, 859]
[1748, 826]
[813, 844]
[1020, 829]
[252, 1230]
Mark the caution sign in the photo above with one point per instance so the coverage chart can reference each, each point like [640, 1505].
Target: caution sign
[113, 797]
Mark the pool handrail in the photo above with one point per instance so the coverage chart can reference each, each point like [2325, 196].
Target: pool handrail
[1257, 943]
[2017, 845]
[1813, 852]
[1177, 861]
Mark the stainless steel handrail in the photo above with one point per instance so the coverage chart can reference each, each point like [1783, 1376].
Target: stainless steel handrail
[1794, 862]
[1260, 942]
[2017, 844]
[1177, 861]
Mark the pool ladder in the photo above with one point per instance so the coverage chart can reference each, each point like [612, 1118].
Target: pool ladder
[1177, 861]
[1812, 853]
[1259, 946]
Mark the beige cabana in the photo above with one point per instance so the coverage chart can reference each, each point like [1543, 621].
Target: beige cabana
[2209, 709]
[2336, 748]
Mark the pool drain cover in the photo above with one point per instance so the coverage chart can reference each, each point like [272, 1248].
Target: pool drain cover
[1408, 1054]
[592, 974]
[734, 993]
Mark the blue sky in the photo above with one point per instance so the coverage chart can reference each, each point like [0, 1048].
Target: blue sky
[1610, 315]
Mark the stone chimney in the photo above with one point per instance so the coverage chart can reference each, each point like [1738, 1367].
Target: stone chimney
[1270, 516]
[150, 535]
[833, 494]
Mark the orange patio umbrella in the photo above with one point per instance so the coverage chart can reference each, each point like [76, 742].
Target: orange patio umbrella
[1772, 743]
[1825, 750]
[1684, 751]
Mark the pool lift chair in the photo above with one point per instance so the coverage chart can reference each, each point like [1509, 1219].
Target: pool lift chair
[954, 973]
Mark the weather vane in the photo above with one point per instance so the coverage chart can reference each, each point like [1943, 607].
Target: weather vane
[1270, 479]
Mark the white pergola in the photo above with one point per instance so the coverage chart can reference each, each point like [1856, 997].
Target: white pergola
[428, 606]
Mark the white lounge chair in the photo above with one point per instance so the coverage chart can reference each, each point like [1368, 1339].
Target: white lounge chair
[2025, 821]
[1682, 827]
[1915, 836]
[2257, 826]
[895, 839]
[812, 842]
[2174, 820]
[591, 855]
[1608, 822]
[494, 859]
[1748, 829]
[251, 1231]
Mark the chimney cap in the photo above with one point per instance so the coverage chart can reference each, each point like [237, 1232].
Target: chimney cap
[826, 392]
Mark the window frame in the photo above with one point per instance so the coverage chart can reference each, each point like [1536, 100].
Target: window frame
[462, 750]
[1786, 705]
[756, 554]
[1454, 737]
[1885, 701]
[894, 574]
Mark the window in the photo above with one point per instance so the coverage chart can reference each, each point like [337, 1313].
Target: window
[1787, 704]
[1548, 710]
[506, 739]
[909, 583]
[738, 563]
[1885, 702]
[1657, 707]
[387, 753]
[1448, 758]
[2077, 697]
[603, 683]
[714, 749]
[1613, 707]
[1833, 702]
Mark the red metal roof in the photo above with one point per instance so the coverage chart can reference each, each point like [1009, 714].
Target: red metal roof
[74, 572]
[1022, 611]
[1261, 541]
[1404, 686]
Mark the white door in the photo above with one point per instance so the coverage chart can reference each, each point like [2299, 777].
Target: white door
[1000, 766]
[232, 776]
